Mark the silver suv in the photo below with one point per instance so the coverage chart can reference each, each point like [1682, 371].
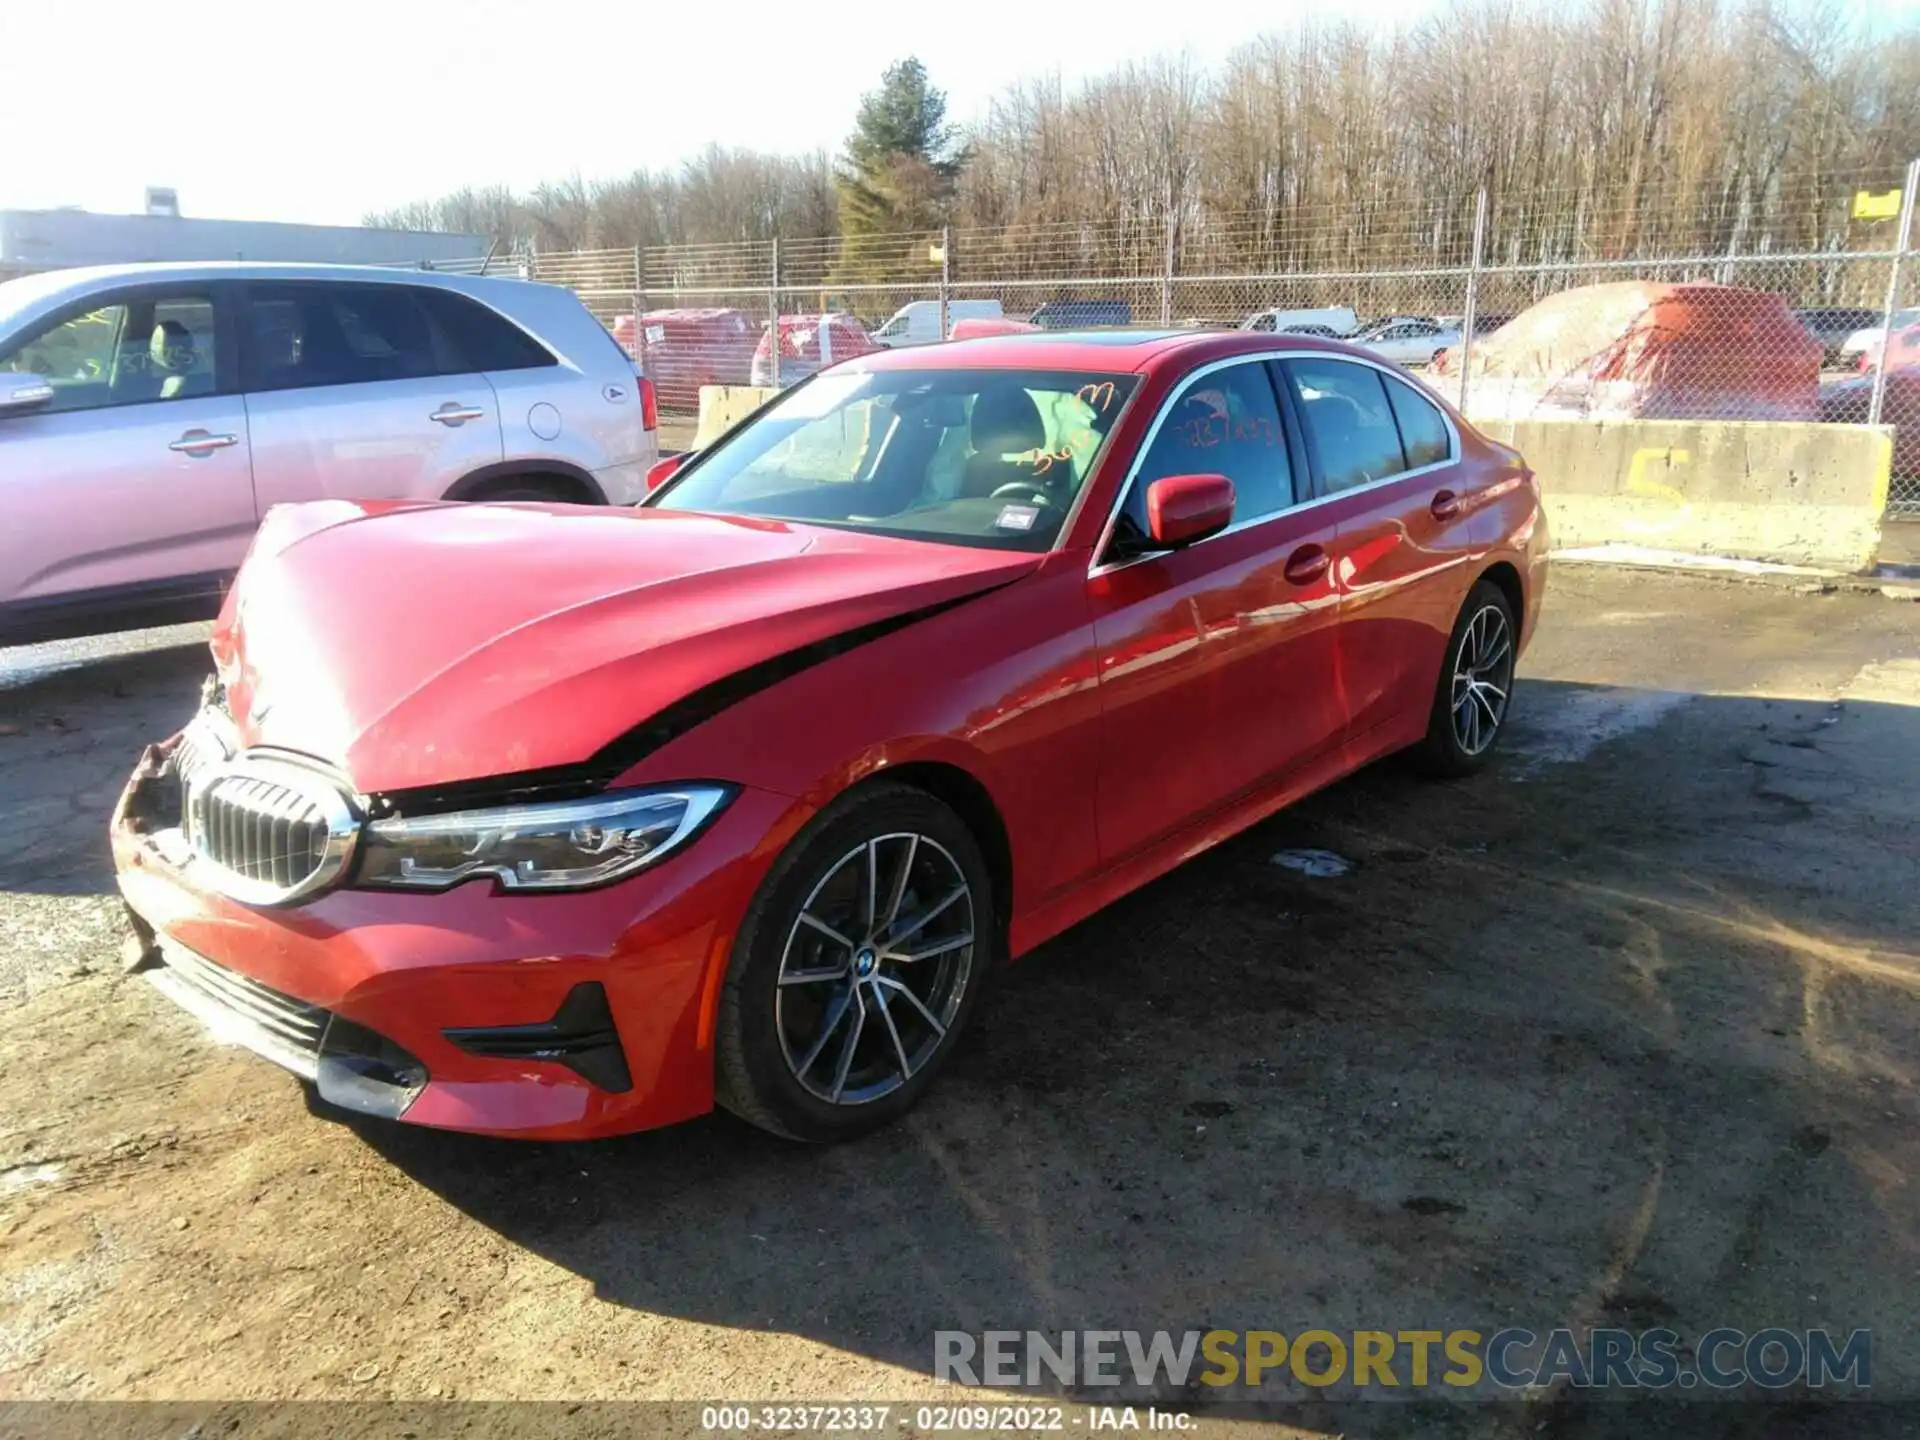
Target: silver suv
[150, 414]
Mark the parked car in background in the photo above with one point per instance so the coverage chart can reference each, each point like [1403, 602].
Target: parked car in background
[1336, 321]
[1081, 314]
[918, 321]
[741, 796]
[1407, 339]
[688, 348]
[1901, 351]
[1642, 350]
[1834, 326]
[1850, 402]
[1483, 324]
[977, 326]
[809, 343]
[1865, 343]
[151, 414]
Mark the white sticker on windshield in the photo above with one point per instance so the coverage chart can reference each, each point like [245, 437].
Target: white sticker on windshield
[1017, 517]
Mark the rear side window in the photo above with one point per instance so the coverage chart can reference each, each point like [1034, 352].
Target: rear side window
[1423, 429]
[301, 335]
[1349, 421]
[485, 340]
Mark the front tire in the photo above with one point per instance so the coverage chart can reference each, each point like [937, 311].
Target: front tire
[856, 968]
[1471, 701]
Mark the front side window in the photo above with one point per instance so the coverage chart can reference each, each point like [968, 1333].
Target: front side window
[990, 458]
[1349, 421]
[134, 352]
[1226, 422]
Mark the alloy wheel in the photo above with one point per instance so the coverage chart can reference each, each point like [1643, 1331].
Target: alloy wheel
[1482, 677]
[875, 967]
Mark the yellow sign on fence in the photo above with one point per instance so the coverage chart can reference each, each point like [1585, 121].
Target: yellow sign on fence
[1869, 206]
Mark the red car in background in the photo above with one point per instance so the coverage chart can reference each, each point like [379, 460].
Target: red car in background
[809, 343]
[738, 796]
[686, 349]
[1902, 351]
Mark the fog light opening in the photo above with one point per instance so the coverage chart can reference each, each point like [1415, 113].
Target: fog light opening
[362, 1070]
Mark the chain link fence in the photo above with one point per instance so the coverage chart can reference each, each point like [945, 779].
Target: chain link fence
[1800, 307]
[1770, 304]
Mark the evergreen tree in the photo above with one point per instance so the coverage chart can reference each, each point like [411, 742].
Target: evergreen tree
[898, 176]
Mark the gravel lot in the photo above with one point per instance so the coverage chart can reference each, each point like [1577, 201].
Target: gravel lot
[1621, 1032]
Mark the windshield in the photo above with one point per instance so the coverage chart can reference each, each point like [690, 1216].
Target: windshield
[971, 457]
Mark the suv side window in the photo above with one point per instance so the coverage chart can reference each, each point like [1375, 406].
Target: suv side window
[321, 333]
[135, 351]
[482, 339]
[1227, 423]
[1349, 421]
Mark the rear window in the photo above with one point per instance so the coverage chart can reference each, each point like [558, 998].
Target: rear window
[321, 333]
[1423, 429]
[483, 339]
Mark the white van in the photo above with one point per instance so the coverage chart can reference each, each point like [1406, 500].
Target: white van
[1337, 319]
[918, 322]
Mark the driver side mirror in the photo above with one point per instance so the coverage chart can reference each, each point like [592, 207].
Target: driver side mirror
[20, 392]
[662, 471]
[1184, 508]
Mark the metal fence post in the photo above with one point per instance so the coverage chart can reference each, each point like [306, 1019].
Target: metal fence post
[1166, 274]
[640, 309]
[1893, 292]
[1468, 319]
[946, 276]
[773, 313]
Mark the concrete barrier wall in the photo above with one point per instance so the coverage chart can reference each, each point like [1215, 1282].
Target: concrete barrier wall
[1791, 493]
[1798, 494]
[723, 406]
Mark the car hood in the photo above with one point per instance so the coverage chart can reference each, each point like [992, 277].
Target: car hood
[423, 645]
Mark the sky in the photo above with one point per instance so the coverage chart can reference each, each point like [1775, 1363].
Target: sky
[320, 113]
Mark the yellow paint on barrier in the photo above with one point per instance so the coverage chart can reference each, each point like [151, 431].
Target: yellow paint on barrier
[1639, 484]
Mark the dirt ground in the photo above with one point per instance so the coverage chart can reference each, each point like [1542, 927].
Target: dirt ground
[1626, 1030]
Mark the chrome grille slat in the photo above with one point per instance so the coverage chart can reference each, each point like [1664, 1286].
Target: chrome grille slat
[269, 829]
[292, 1019]
[236, 1007]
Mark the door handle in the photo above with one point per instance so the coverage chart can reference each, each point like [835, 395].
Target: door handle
[454, 413]
[200, 444]
[1445, 505]
[1306, 565]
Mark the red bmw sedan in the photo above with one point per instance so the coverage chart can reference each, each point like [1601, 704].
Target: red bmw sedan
[558, 822]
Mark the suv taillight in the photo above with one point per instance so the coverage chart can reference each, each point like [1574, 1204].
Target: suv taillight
[649, 406]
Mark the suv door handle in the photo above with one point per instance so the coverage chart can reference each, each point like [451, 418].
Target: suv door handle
[1306, 565]
[454, 413]
[1445, 505]
[200, 444]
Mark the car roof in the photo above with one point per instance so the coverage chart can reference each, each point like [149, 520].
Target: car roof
[1112, 351]
[60, 285]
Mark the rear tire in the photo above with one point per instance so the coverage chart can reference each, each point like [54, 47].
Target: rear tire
[1472, 698]
[856, 968]
[527, 488]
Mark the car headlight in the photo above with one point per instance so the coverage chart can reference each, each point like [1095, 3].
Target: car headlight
[564, 845]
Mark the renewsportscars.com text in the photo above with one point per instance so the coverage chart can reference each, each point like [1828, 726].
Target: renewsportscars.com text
[1509, 1359]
